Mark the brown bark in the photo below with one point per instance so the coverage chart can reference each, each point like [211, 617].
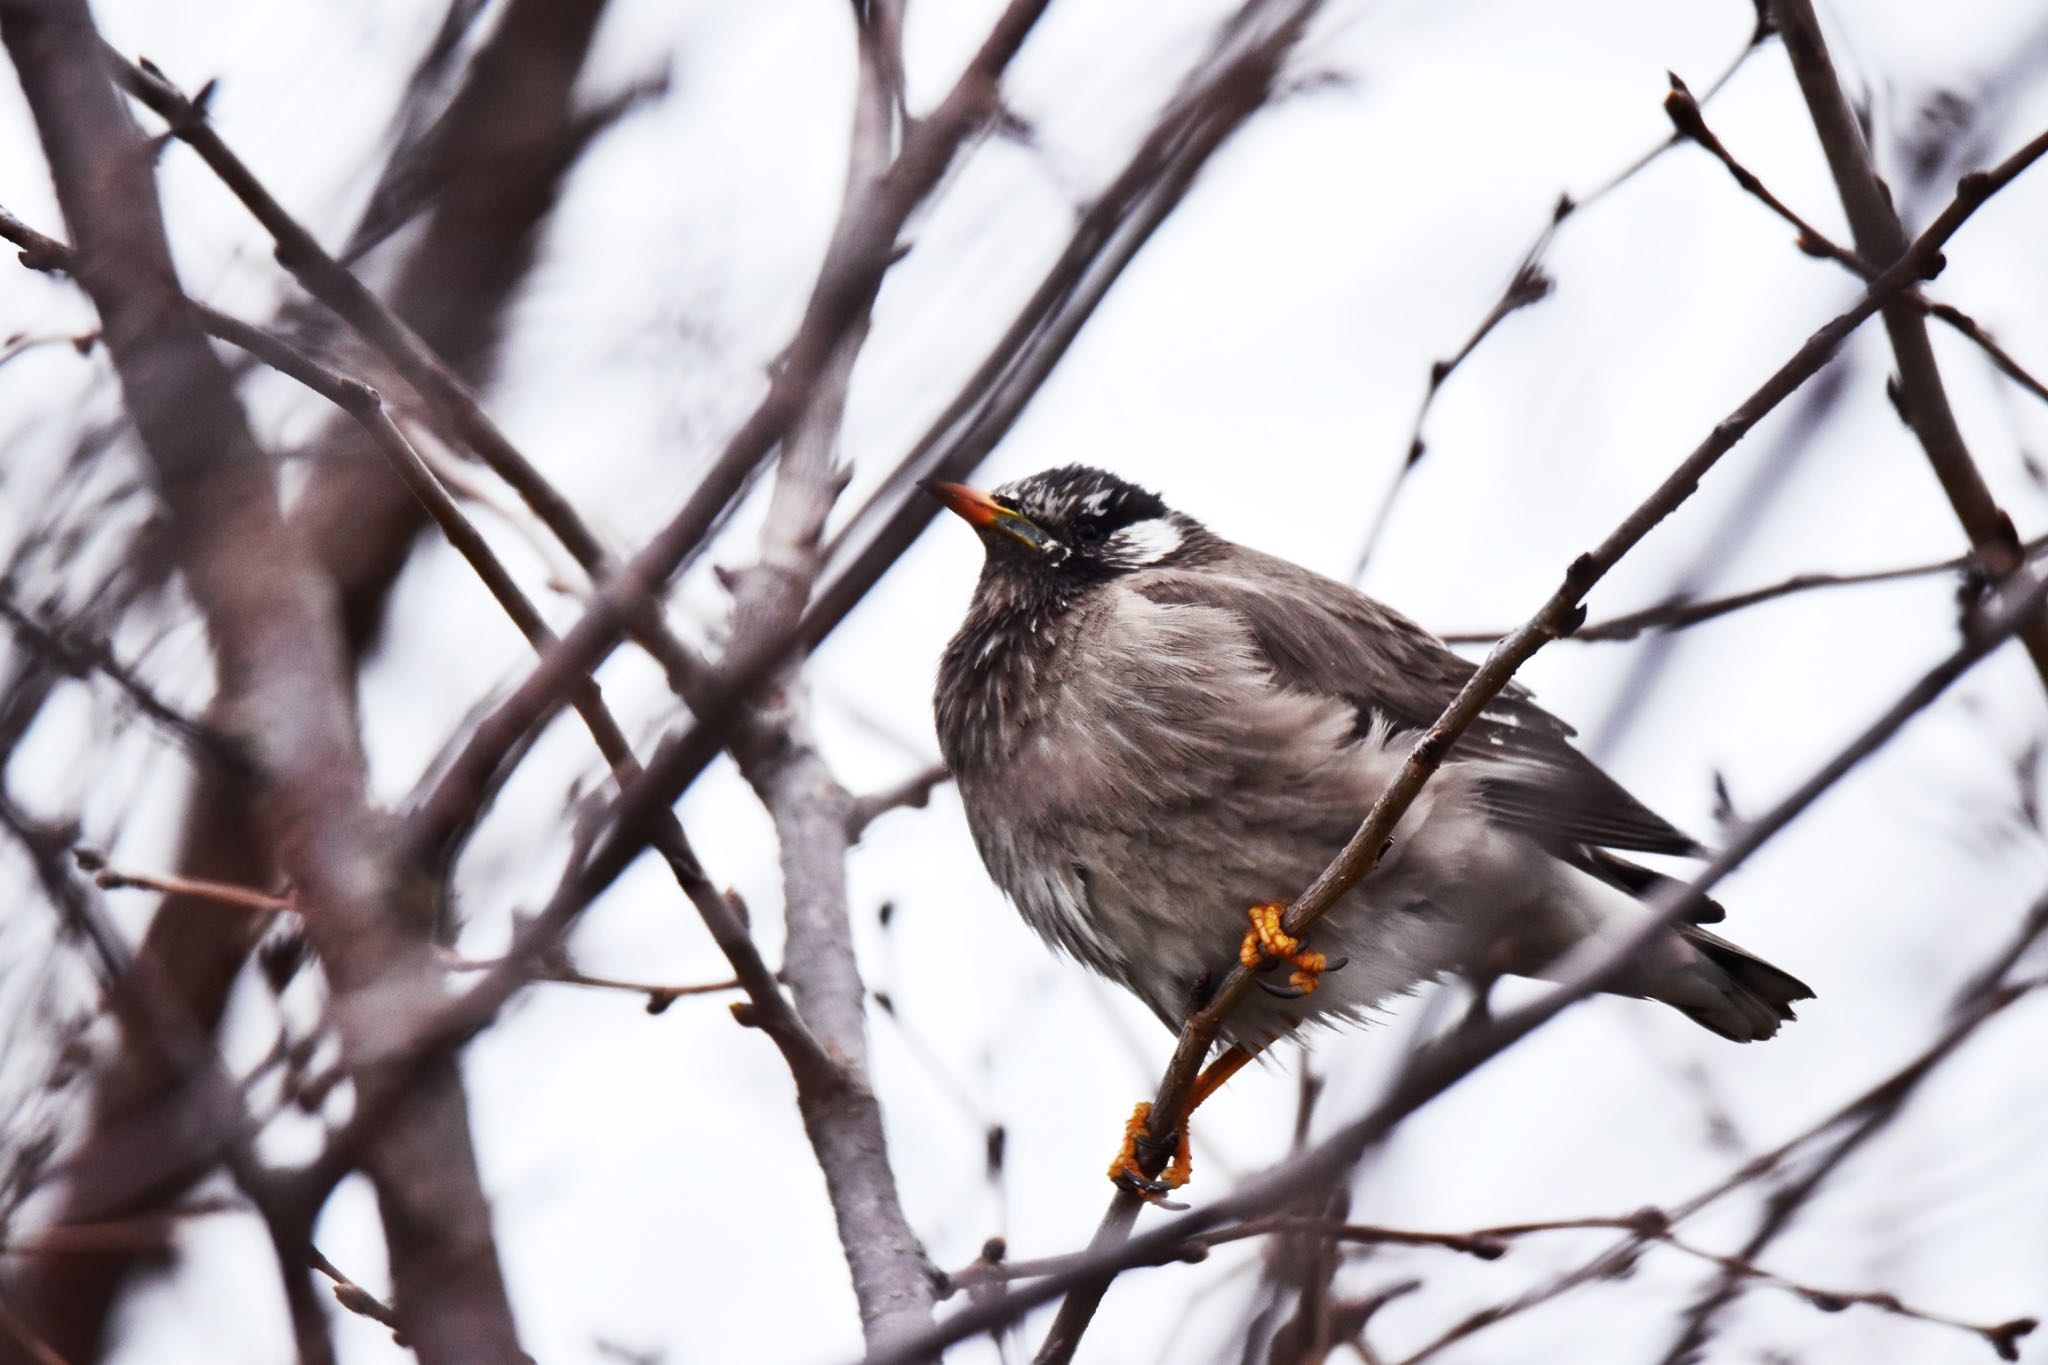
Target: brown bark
[498, 158]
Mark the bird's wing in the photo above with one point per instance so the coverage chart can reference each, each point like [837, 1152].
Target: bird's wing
[1324, 637]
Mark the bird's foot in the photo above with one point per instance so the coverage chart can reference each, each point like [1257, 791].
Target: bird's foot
[1128, 1170]
[1266, 944]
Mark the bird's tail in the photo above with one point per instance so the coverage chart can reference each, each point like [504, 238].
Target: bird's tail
[1730, 990]
[1717, 985]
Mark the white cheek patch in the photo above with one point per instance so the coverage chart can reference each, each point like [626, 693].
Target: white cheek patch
[1145, 542]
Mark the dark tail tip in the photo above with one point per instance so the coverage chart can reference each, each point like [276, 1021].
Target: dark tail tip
[1760, 996]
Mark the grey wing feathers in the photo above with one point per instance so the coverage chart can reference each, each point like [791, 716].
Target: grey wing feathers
[1321, 636]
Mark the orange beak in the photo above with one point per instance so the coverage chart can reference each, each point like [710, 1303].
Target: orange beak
[984, 513]
[971, 505]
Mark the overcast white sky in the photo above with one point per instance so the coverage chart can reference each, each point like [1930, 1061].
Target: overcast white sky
[1260, 365]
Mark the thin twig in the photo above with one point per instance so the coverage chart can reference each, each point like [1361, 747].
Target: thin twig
[659, 997]
[1981, 999]
[1880, 239]
[1527, 284]
[107, 878]
[1678, 613]
[355, 1298]
[912, 791]
[1685, 114]
[2003, 1337]
[80, 655]
[1488, 1244]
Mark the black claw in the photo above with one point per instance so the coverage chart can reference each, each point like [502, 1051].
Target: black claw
[1336, 964]
[1138, 1184]
[1287, 992]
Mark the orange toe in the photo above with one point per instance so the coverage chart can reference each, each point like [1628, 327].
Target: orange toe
[1268, 942]
[1128, 1170]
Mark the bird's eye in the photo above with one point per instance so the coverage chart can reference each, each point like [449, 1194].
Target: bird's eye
[1088, 530]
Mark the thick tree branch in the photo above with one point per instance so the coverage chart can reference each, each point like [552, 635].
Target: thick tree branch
[893, 1282]
[500, 151]
[846, 287]
[279, 666]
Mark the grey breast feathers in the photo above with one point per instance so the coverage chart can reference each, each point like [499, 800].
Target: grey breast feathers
[1163, 749]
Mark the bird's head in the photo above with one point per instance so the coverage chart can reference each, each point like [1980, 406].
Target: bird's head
[1068, 527]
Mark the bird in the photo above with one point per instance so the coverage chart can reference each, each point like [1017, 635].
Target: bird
[1159, 735]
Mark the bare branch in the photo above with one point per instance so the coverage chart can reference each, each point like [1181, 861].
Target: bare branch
[107, 878]
[1678, 613]
[279, 662]
[846, 287]
[1880, 239]
[1685, 114]
[659, 997]
[2003, 1337]
[914, 791]
[813, 814]
[1529, 283]
[1980, 1000]
[357, 1299]
[94, 865]
[80, 655]
[994, 1269]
